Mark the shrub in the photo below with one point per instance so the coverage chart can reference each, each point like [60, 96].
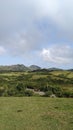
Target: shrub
[57, 91]
[29, 93]
[20, 87]
[2, 90]
[48, 94]
[68, 94]
[10, 92]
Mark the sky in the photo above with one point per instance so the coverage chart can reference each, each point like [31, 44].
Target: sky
[38, 32]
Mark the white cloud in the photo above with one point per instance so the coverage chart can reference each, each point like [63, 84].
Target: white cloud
[60, 12]
[17, 16]
[23, 44]
[2, 51]
[58, 54]
[23, 14]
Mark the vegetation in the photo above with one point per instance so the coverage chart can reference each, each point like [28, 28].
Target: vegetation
[38, 113]
[18, 67]
[32, 83]
[18, 112]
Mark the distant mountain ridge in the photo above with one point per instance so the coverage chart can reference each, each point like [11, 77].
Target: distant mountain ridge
[34, 67]
[21, 67]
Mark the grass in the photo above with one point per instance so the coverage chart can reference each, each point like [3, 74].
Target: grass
[67, 74]
[39, 76]
[36, 113]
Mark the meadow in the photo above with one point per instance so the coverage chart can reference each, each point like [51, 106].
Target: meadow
[36, 113]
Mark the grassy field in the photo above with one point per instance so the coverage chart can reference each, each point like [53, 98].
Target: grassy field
[36, 113]
[67, 74]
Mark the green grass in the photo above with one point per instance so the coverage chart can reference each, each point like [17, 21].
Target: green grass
[39, 76]
[67, 74]
[36, 113]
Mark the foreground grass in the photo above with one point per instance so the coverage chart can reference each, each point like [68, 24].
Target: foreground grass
[36, 113]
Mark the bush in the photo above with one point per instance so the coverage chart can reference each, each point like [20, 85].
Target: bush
[57, 91]
[2, 90]
[10, 92]
[29, 93]
[44, 88]
[68, 94]
[20, 87]
[48, 94]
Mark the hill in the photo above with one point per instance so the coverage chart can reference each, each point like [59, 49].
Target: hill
[21, 67]
[34, 67]
[18, 67]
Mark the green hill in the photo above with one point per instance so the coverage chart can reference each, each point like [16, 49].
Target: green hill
[34, 67]
[19, 67]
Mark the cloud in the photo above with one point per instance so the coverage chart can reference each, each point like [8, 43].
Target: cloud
[58, 54]
[18, 15]
[22, 44]
[2, 51]
[21, 35]
[59, 12]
